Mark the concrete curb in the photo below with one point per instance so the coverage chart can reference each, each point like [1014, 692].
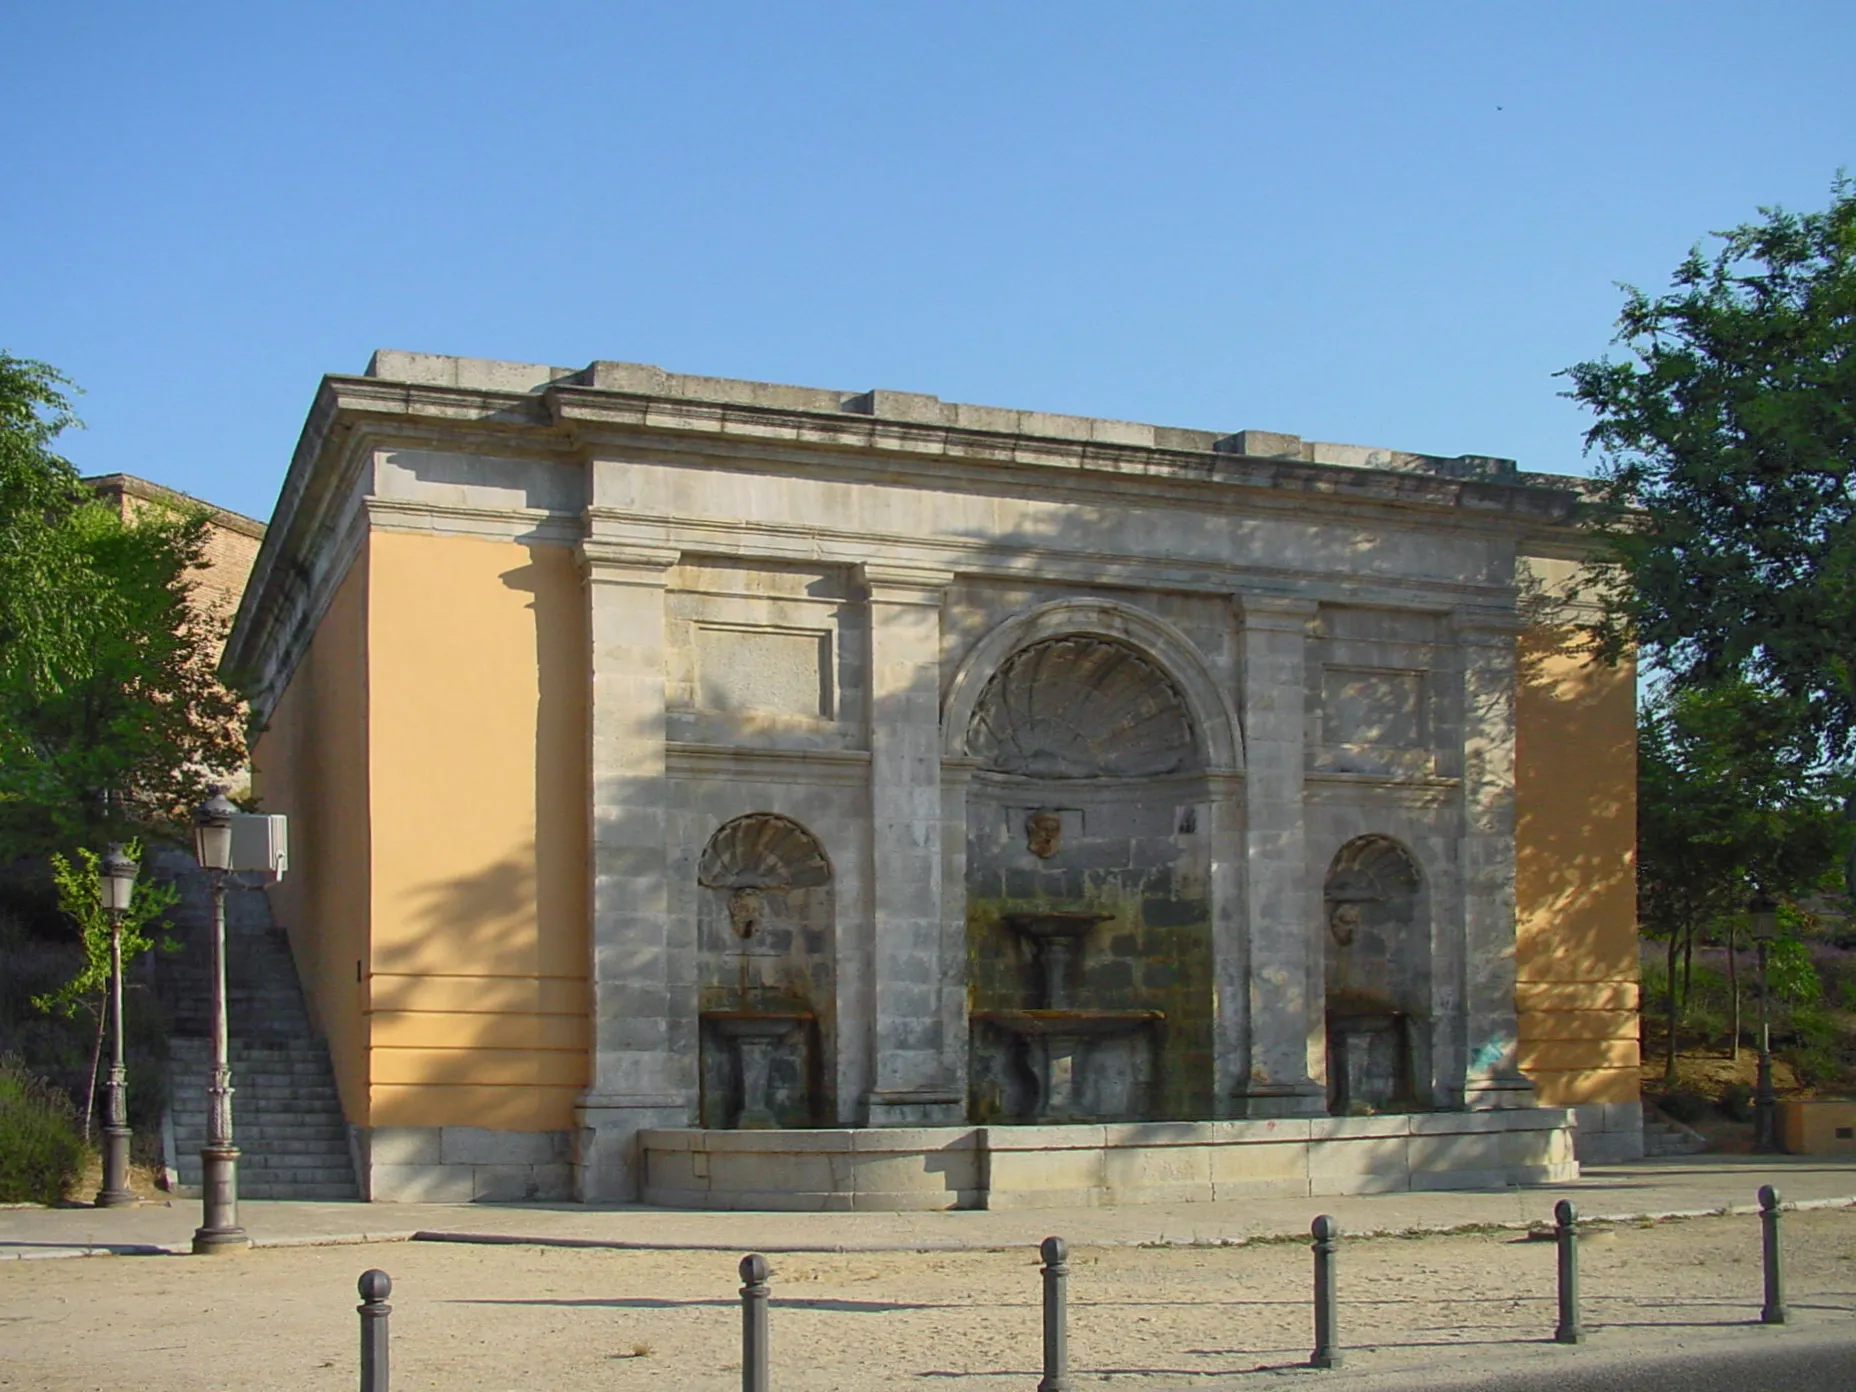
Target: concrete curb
[954, 1245]
[485, 1239]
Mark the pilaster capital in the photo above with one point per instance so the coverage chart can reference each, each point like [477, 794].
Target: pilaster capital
[608, 561]
[904, 584]
[1277, 613]
[1486, 628]
[957, 770]
[1225, 785]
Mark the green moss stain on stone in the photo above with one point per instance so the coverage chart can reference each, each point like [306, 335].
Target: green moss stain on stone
[1156, 954]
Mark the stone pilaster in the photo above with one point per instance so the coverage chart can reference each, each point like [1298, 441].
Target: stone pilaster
[640, 1076]
[956, 782]
[1223, 827]
[913, 1081]
[1285, 1015]
[1485, 857]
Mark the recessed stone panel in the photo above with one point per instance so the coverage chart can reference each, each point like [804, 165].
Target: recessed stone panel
[764, 671]
[1379, 708]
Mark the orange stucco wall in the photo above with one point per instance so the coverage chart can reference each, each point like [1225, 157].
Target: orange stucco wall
[476, 757]
[1575, 872]
[311, 765]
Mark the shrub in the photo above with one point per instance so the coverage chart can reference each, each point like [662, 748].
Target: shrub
[41, 1152]
[1812, 1047]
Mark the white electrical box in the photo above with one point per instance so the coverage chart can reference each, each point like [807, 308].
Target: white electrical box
[261, 844]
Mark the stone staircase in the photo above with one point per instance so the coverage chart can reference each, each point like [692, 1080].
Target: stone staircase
[286, 1118]
[1664, 1136]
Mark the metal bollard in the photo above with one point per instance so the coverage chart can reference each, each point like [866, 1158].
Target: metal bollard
[1566, 1236]
[1774, 1311]
[1327, 1352]
[1056, 1254]
[375, 1286]
[754, 1273]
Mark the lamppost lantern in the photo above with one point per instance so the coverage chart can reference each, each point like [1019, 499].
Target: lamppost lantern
[1764, 911]
[212, 831]
[115, 887]
[117, 875]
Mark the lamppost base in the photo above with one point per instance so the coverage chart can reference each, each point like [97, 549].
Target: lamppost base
[219, 1230]
[217, 1242]
[116, 1192]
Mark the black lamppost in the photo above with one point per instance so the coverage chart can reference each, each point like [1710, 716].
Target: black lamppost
[219, 1230]
[116, 884]
[1765, 916]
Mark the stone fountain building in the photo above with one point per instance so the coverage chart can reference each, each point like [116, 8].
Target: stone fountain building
[738, 794]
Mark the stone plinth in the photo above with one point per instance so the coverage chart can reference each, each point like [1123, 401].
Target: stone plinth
[890, 1169]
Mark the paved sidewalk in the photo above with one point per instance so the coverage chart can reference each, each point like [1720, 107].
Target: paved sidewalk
[1651, 1188]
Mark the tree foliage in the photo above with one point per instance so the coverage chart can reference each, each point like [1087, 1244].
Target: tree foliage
[1728, 445]
[41, 631]
[80, 898]
[1731, 800]
[112, 718]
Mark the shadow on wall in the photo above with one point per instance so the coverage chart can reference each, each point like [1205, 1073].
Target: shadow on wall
[467, 999]
[560, 851]
[1575, 834]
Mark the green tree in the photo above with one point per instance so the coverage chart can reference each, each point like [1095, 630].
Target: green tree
[80, 897]
[112, 719]
[41, 632]
[1727, 444]
[1731, 799]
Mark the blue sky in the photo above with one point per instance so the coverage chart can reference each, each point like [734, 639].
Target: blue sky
[1375, 223]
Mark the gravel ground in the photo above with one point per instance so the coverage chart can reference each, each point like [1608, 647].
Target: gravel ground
[521, 1317]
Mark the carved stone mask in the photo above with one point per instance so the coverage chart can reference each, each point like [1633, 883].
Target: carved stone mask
[746, 909]
[1344, 921]
[1043, 833]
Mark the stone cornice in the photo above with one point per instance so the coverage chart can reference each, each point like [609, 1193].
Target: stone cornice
[128, 485]
[821, 543]
[582, 419]
[602, 419]
[770, 762]
[1092, 463]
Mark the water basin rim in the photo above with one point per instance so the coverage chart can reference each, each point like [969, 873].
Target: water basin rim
[1055, 923]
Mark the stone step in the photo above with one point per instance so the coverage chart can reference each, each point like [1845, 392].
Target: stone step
[296, 1138]
[264, 1101]
[286, 1114]
[276, 1169]
[301, 1191]
[1671, 1138]
[277, 1125]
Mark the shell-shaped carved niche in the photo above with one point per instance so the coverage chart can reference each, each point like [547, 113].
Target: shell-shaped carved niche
[1372, 869]
[1082, 707]
[763, 851]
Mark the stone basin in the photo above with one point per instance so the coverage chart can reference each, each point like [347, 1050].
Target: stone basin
[1055, 923]
[753, 1036]
[756, 1024]
[1064, 1048]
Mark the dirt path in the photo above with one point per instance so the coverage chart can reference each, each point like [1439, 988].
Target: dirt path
[536, 1317]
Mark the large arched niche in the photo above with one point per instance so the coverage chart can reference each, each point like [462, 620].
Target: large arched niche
[1165, 646]
[1376, 942]
[766, 930]
[1089, 732]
